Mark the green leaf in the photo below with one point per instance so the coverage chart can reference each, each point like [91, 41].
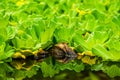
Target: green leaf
[31, 31]
[79, 41]
[5, 51]
[2, 47]
[11, 31]
[79, 67]
[71, 66]
[3, 33]
[44, 35]
[112, 70]
[98, 15]
[100, 51]
[48, 70]
[97, 37]
[113, 44]
[97, 67]
[116, 20]
[5, 71]
[24, 41]
[39, 27]
[21, 74]
[4, 21]
[32, 71]
[63, 34]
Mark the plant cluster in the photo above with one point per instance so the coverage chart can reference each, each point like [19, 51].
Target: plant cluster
[86, 31]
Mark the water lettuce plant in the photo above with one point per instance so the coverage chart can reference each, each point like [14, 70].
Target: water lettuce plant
[90, 28]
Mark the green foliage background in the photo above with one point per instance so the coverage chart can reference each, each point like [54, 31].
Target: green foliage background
[87, 25]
